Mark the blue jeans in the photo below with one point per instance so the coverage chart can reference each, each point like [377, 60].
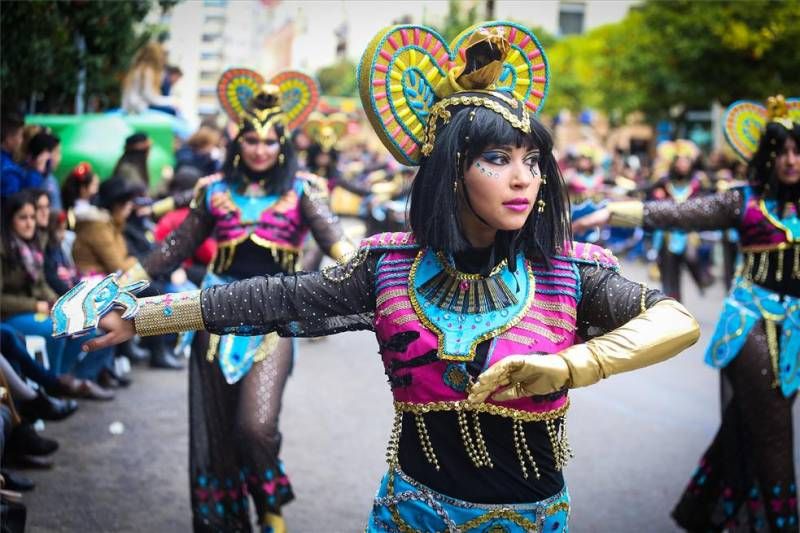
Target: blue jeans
[63, 354]
[12, 345]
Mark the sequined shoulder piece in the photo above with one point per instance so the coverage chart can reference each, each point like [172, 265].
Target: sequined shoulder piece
[582, 252]
[390, 241]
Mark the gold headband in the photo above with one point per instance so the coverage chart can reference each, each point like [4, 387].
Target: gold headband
[263, 118]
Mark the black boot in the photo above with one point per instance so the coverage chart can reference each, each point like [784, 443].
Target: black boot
[47, 408]
[16, 482]
[161, 356]
[25, 441]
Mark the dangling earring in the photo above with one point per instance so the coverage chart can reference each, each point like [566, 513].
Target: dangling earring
[281, 159]
[540, 203]
[455, 186]
[236, 161]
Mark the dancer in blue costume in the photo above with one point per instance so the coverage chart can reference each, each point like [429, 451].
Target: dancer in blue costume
[746, 478]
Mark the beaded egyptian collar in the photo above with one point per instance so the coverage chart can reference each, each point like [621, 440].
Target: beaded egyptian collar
[466, 309]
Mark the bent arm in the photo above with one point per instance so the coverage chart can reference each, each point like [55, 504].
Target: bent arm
[325, 226]
[179, 245]
[630, 327]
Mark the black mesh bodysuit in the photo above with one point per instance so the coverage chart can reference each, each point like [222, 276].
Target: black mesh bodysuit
[746, 478]
[234, 437]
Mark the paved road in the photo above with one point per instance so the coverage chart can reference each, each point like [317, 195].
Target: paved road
[636, 437]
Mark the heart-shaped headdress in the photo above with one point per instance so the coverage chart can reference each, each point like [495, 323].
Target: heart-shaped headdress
[745, 120]
[326, 130]
[247, 98]
[409, 77]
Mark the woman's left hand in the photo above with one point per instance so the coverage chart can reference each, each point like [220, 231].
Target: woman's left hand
[522, 375]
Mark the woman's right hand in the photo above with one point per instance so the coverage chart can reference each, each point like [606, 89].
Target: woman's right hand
[597, 219]
[42, 307]
[118, 330]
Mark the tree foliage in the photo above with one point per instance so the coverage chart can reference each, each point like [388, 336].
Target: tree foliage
[680, 54]
[338, 79]
[42, 56]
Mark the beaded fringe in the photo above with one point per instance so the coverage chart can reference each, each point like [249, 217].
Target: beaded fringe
[756, 264]
[475, 444]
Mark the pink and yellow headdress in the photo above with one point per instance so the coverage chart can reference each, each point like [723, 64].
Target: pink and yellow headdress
[410, 80]
[249, 100]
[744, 121]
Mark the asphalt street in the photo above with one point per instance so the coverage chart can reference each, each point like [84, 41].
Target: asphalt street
[636, 437]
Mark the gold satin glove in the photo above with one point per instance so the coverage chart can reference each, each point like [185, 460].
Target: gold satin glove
[657, 334]
[629, 214]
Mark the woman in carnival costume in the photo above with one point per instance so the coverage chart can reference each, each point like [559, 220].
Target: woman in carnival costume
[486, 296]
[259, 212]
[747, 477]
[679, 180]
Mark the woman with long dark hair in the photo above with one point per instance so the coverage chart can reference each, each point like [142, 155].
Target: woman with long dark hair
[486, 296]
[746, 477]
[259, 211]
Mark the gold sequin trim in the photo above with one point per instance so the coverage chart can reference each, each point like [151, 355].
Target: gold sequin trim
[557, 307]
[405, 319]
[539, 330]
[464, 405]
[520, 339]
[388, 295]
[553, 321]
[170, 313]
[397, 306]
[340, 272]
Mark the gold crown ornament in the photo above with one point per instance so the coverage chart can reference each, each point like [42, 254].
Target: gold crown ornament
[326, 130]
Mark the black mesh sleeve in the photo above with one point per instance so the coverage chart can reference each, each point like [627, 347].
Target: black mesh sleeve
[336, 299]
[609, 300]
[710, 212]
[316, 210]
[181, 243]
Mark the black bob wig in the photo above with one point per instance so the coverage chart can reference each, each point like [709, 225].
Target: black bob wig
[433, 213]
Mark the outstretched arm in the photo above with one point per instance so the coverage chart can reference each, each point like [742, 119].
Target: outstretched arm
[635, 327]
[712, 212]
[307, 304]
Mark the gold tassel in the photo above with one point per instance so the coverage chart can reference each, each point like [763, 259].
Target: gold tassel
[466, 437]
[213, 344]
[796, 262]
[562, 452]
[481, 441]
[523, 452]
[425, 441]
[779, 271]
[763, 267]
[394, 440]
[772, 344]
[748, 266]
